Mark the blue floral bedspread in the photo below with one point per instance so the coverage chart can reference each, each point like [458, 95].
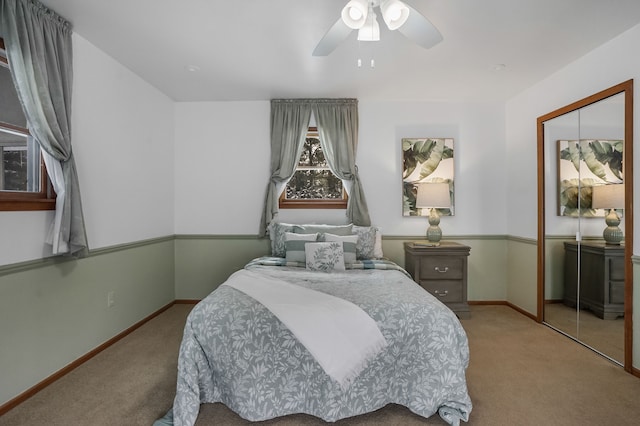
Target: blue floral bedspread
[236, 352]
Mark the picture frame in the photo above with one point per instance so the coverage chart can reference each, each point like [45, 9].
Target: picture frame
[583, 164]
[426, 160]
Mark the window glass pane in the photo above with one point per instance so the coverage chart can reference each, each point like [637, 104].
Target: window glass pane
[10, 109]
[312, 155]
[20, 165]
[314, 184]
[23, 181]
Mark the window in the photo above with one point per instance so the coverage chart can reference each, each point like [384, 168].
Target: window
[24, 184]
[313, 185]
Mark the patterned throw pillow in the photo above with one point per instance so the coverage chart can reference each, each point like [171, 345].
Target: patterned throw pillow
[325, 257]
[366, 246]
[294, 245]
[276, 234]
[349, 243]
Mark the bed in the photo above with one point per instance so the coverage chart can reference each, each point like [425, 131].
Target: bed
[238, 352]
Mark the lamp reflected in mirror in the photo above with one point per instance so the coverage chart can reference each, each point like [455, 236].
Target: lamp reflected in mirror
[610, 197]
[433, 196]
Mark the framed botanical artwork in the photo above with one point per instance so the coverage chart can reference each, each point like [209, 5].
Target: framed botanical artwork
[425, 160]
[583, 164]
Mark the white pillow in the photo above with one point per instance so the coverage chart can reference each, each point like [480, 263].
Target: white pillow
[349, 243]
[377, 248]
[325, 257]
[294, 245]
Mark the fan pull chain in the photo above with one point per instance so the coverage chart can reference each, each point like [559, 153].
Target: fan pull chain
[372, 62]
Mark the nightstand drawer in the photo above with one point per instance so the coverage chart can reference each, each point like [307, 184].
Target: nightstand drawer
[445, 291]
[441, 267]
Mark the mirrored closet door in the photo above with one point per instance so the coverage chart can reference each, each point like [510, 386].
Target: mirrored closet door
[585, 237]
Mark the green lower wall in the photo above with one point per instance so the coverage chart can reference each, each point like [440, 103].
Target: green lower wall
[636, 317]
[204, 262]
[53, 312]
[486, 278]
[522, 288]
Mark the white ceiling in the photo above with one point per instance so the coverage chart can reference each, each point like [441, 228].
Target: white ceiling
[261, 49]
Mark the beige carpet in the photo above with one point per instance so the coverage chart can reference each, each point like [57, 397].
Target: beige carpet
[521, 373]
[606, 336]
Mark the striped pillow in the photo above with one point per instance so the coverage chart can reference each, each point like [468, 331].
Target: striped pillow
[294, 245]
[349, 243]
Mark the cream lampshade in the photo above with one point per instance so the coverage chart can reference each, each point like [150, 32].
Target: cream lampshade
[610, 197]
[433, 196]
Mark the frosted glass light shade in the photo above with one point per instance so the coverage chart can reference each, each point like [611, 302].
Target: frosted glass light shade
[395, 13]
[354, 14]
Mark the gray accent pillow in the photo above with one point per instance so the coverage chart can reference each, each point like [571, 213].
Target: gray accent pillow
[276, 234]
[366, 246]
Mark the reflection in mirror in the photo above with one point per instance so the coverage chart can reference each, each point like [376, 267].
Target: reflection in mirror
[583, 276]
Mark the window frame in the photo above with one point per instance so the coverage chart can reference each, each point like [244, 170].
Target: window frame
[23, 200]
[284, 203]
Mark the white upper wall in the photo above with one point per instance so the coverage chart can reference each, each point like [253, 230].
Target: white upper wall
[610, 64]
[221, 166]
[122, 130]
[223, 155]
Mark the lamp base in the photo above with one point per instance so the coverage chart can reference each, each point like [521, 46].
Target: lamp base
[434, 233]
[612, 234]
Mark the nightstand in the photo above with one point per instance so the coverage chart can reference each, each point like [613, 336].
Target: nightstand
[442, 271]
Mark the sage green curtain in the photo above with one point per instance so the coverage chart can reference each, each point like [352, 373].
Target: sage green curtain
[289, 124]
[337, 121]
[39, 50]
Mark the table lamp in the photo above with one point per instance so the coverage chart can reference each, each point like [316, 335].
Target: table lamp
[611, 197]
[433, 196]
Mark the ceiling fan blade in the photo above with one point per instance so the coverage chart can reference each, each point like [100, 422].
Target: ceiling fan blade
[420, 30]
[336, 35]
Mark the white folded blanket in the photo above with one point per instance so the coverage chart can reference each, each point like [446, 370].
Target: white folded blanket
[339, 334]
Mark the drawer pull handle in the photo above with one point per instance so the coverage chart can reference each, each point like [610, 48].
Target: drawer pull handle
[441, 293]
[442, 271]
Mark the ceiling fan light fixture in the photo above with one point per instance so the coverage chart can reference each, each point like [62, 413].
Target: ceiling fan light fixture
[354, 14]
[395, 13]
[370, 31]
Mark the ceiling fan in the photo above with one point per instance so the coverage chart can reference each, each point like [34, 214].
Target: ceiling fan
[360, 15]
